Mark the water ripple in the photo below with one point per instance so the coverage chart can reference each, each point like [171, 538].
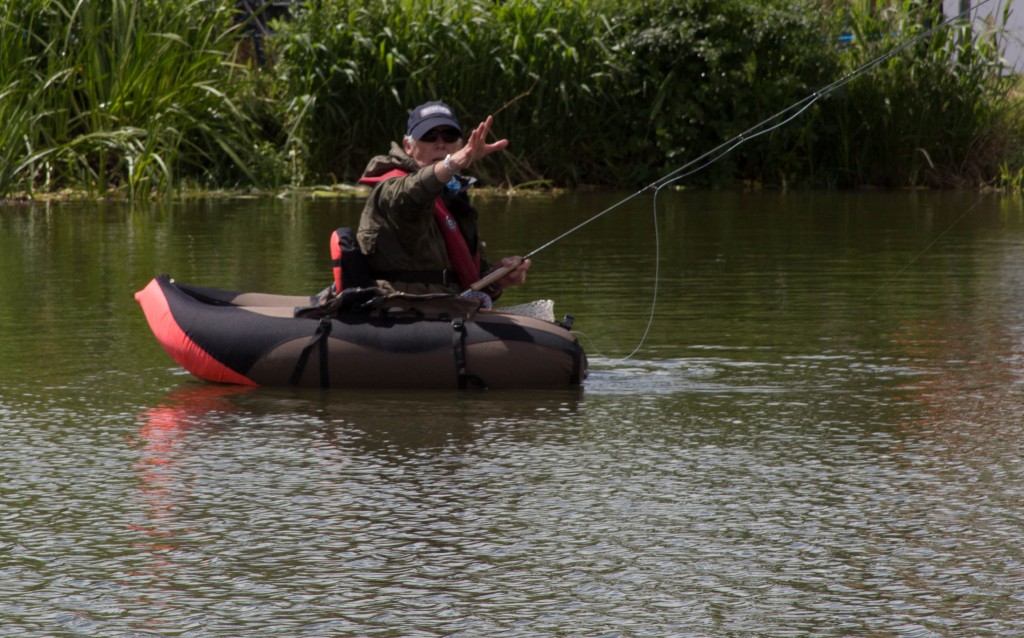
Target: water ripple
[806, 465]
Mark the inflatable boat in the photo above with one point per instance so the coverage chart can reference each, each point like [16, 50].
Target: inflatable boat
[376, 341]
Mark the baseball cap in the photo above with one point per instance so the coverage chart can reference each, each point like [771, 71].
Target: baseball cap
[429, 115]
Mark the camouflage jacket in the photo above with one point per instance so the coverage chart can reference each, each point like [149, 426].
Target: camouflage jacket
[397, 231]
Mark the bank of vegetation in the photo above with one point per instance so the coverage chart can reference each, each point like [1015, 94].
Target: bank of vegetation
[137, 97]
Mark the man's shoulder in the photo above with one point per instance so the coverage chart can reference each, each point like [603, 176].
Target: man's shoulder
[395, 159]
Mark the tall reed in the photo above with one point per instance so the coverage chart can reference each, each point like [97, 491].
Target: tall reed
[146, 95]
[354, 69]
[933, 116]
[128, 94]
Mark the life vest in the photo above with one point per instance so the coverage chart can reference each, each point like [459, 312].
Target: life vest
[465, 264]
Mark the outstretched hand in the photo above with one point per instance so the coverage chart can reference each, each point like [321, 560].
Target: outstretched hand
[476, 146]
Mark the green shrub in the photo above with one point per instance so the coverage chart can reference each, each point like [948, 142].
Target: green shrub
[934, 115]
[146, 95]
[698, 73]
[353, 70]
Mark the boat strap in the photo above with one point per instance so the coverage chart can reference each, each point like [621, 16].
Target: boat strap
[319, 339]
[459, 347]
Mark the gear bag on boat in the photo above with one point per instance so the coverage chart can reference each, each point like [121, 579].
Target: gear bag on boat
[355, 291]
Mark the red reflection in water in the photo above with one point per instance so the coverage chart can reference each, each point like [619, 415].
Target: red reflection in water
[165, 483]
[970, 389]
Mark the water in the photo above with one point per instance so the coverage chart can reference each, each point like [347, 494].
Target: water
[819, 435]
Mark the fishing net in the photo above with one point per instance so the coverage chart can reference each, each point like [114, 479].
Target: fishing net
[543, 309]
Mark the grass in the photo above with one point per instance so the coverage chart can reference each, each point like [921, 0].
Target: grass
[140, 97]
[118, 94]
[936, 117]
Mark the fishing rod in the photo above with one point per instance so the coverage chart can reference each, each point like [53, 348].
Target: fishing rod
[769, 124]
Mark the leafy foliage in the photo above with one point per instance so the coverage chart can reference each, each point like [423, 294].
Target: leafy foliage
[935, 115]
[704, 71]
[118, 94]
[144, 96]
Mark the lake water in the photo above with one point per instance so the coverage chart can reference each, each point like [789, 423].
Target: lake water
[820, 432]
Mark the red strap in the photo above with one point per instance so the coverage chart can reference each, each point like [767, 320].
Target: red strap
[377, 179]
[465, 264]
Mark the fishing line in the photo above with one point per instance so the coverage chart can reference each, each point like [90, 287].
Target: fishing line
[926, 248]
[769, 124]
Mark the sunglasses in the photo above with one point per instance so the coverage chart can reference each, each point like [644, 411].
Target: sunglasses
[449, 135]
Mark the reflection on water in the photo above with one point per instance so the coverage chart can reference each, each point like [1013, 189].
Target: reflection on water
[815, 439]
[165, 484]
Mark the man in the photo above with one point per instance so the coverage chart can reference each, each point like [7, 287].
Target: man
[418, 229]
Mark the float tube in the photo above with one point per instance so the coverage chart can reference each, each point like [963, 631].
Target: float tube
[274, 340]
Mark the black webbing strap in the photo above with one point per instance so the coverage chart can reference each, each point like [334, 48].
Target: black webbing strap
[459, 347]
[319, 338]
